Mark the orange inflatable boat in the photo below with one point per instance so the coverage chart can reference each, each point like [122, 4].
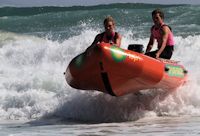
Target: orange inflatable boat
[117, 71]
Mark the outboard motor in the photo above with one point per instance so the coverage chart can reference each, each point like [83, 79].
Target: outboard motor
[136, 47]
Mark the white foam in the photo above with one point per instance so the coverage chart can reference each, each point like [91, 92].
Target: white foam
[33, 85]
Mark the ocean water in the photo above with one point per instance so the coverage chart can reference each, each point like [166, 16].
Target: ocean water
[37, 44]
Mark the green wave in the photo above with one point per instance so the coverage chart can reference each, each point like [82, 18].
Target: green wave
[27, 11]
[60, 23]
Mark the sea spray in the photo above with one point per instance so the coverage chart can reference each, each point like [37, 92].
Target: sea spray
[34, 53]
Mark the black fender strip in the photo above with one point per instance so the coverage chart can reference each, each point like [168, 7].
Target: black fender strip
[105, 79]
[106, 82]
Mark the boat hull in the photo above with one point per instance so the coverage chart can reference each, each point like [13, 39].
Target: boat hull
[117, 71]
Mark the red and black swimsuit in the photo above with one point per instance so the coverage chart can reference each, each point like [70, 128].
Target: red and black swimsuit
[109, 39]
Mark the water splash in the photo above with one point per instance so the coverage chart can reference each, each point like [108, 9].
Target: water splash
[33, 85]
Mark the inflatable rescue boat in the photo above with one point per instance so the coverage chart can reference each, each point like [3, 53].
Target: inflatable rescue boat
[116, 71]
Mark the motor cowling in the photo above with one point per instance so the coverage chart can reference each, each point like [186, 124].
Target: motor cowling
[136, 47]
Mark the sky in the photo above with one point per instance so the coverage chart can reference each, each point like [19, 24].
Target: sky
[28, 3]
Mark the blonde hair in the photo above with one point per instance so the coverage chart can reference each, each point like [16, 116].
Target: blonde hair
[108, 19]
